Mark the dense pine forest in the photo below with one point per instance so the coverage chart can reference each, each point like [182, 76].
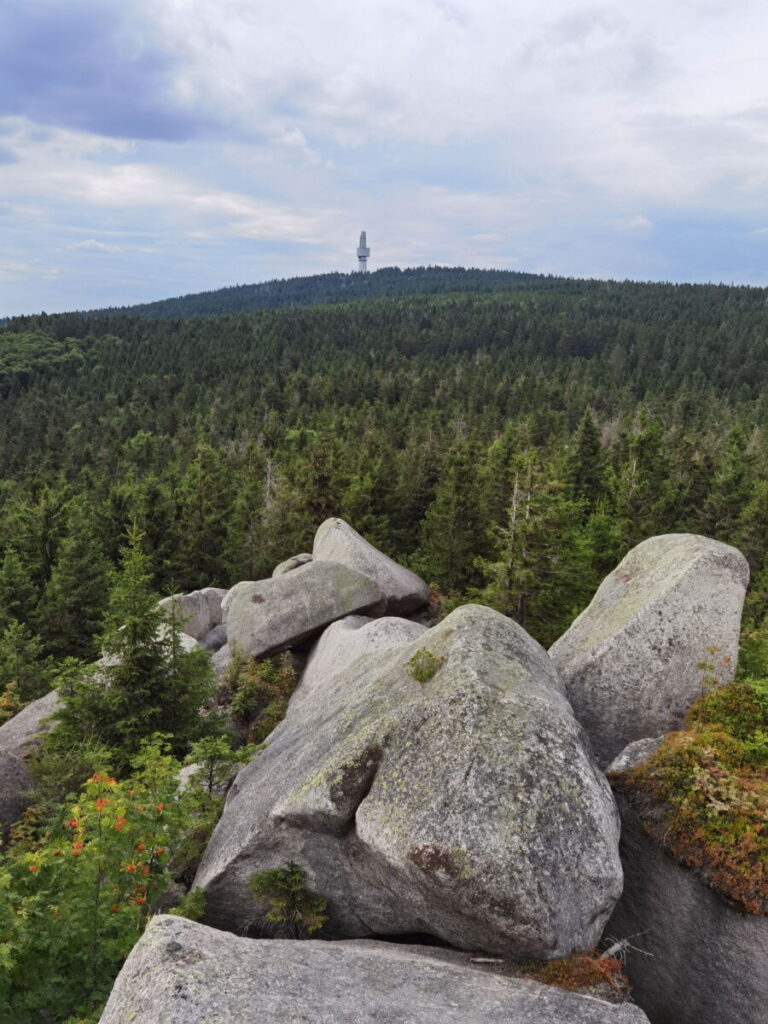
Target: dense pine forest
[508, 445]
[509, 437]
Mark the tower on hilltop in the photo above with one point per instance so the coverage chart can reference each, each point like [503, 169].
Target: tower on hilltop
[363, 252]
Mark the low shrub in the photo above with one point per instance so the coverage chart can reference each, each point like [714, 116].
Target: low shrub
[704, 792]
[580, 971]
[259, 694]
[292, 910]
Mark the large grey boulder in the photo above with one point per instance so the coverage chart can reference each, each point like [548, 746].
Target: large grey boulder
[467, 806]
[633, 660]
[18, 738]
[181, 972]
[198, 612]
[292, 563]
[345, 641]
[693, 958]
[336, 541]
[270, 615]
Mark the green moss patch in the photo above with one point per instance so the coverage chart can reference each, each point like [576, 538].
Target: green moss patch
[704, 792]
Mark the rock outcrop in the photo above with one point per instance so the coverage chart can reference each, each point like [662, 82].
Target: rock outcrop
[466, 806]
[336, 541]
[185, 973]
[268, 616]
[349, 639]
[635, 660]
[693, 958]
[198, 612]
[18, 738]
[292, 563]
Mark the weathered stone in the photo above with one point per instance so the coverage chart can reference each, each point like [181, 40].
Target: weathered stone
[696, 959]
[215, 639]
[221, 661]
[268, 616]
[336, 541]
[291, 563]
[198, 612]
[633, 754]
[466, 806]
[18, 738]
[214, 596]
[348, 639]
[632, 661]
[181, 972]
[20, 733]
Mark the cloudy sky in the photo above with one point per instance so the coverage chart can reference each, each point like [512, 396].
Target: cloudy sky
[155, 147]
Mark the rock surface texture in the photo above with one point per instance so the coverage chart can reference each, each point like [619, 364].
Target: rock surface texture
[184, 973]
[267, 616]
[18, 737]
[632, 661]
[292, 563]
[466, 806]
[336, 541]
[198, 612]
[707, 962]
[349, 639]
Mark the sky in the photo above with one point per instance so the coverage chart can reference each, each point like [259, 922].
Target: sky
[151, 148]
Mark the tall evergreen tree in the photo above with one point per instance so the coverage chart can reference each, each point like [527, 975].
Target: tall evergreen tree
[585, 470]
[452, 533]
[70, 611]
[147, 682]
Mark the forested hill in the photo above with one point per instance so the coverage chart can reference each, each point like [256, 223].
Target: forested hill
[322, 289]
[510, 446]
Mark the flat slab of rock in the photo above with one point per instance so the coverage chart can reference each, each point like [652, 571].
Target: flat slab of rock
[180, 972]
[270, 615]
[708, 962]
[633, 660]
[336, 541]
[467, 806]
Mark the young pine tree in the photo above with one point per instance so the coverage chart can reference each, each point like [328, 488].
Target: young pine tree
[146, 683]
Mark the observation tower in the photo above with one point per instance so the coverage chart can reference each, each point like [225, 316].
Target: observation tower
[363, 252]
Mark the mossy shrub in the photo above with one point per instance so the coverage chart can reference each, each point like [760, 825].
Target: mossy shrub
[258, 694]
[710, 783]
[578, 972]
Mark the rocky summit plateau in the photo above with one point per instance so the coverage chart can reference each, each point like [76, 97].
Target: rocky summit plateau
[441, 785]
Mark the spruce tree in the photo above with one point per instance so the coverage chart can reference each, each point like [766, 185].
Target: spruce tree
[584, 468]
[73, 602]
[18, 595]
[453, 530]
[147, 682]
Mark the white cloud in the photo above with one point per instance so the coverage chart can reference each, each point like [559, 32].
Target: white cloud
[92, 245]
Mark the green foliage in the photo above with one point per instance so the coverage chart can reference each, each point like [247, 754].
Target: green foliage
[76, 899]
[292, 910]
[75, 597]
[260, 691]
[423, 665]
[712, 783]
[23, 664]
[191, 905]
[147, 682]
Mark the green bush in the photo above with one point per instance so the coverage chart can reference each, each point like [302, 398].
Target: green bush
[292, 910]
[711, 782]
[260, 691]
